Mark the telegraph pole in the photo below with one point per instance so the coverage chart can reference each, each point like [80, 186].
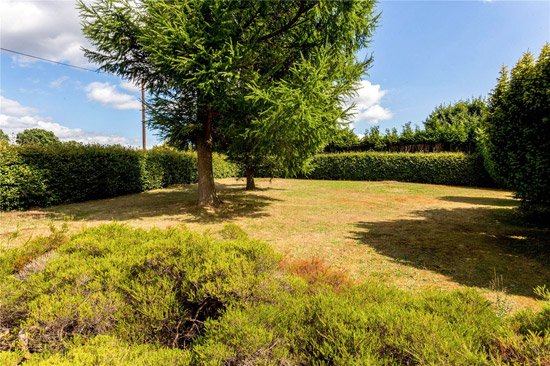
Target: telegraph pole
[143, 112]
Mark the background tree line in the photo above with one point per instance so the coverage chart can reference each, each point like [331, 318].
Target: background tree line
[453, 127]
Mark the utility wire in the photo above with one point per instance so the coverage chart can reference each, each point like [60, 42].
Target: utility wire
[52, 61]
[85, 69]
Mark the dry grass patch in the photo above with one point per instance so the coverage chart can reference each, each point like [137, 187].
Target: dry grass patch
[412, 235]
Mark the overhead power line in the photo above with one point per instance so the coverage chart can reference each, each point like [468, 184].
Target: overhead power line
[52, 61]
[85, 69]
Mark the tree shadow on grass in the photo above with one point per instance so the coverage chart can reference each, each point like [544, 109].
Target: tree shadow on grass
[173, 201]
[486, 201]
[469, 245]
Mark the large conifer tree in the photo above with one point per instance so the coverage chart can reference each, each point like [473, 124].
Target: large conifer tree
[269, 77]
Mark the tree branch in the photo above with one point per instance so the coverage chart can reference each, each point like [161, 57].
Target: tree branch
[293, 22]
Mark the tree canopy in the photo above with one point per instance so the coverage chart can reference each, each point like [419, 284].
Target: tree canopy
[36, 136]
[456, 123]
[4, 137]
[263, 77]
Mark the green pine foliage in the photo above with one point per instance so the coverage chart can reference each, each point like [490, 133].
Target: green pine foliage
[518, 129]
[252, 78]
[116, 295]
[42, 175]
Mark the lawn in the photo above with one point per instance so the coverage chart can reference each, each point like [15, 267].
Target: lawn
[411, 235]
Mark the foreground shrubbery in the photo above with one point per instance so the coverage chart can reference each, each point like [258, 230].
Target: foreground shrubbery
[41, 175]
[115, 295]
[436, 168]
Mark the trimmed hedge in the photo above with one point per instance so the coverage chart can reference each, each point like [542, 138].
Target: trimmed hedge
[435, 168]
[42, 175]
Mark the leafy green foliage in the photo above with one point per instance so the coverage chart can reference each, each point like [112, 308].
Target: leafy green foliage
[41, 175]
[457, 123]
[342, 139]
[435, 168]
[114, 294]
[4, 138]
[518, 127]
[20, 184]
[453, 127]
[36, 136]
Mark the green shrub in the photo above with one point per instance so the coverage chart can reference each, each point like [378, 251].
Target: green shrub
[434, 168]
[115, 295]
[41, 175]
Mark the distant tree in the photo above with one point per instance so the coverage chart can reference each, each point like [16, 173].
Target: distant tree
[518, 129]
[456, 123]
[72, 143]
[373, 140]
[407, 134]
[290, 61]
[342, 139]
[36, 136]
[4, 137]
[392, 136]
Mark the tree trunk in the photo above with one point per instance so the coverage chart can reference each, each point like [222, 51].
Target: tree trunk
[250, 185]
[207, 188]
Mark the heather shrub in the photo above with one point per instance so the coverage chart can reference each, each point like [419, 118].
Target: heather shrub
[116, 295]
[144, 286]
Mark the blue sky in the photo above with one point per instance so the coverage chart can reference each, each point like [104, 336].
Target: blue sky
[425, 53]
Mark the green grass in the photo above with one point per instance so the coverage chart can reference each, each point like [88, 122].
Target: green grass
[415, 236]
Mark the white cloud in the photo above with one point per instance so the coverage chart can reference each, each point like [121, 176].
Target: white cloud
[49, 29]
[17, 118]
[374, 114]
[12, 107]
[57, 82]
[368, 104]
[129, 86]
[109, 96]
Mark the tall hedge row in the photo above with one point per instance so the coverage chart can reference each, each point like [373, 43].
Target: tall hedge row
[42, 175]
[436, 168]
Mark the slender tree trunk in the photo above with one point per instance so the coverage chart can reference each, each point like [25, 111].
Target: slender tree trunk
[250, 185]
[207, 188]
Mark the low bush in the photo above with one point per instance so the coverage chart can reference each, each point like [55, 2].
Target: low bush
[435, 168]
[115, 295]
[42, 175]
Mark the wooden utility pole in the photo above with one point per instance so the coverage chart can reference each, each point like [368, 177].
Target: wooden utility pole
[143, 112]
